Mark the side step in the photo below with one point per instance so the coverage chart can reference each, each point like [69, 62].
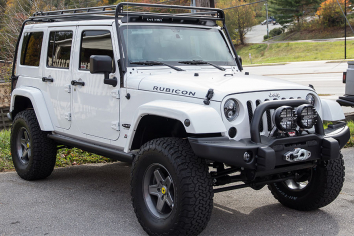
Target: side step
[94, 148]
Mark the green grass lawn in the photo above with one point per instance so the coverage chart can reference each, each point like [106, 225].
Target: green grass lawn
[289, 52]
[70, 157]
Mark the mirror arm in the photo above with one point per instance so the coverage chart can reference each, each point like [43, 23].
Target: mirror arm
[109, 81]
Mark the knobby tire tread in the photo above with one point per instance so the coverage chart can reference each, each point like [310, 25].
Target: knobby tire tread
[43, 149]
[197, 197]
[328, 188]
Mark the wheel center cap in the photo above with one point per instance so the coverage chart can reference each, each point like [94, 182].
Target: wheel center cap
[163, 190]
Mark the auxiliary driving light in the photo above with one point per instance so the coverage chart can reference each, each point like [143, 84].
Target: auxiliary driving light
[306, 116]
[285, 118]
[231, 109]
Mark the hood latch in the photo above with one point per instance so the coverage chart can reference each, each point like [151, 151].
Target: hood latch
[208, 96]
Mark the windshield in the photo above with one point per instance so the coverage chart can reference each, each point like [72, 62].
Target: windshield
[171, 44]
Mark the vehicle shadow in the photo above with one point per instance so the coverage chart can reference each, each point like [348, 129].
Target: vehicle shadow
[91, 195]
[273, 219]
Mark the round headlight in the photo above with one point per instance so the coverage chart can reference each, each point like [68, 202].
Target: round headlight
[311, 98]
[306, 116]
[285, 118]
[231, 109]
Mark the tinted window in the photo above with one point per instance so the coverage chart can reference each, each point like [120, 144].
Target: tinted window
[173, 44]
[31, 48]
[59, 49]
[96, 42]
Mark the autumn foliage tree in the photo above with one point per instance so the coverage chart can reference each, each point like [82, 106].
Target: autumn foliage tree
[239, 20]
[330, 13]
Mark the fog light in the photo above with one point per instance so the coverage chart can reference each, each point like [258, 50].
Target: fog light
[247, 157]
[232, 132]
[285, 118]
[306, 116]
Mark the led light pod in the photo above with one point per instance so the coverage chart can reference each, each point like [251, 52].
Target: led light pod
[306, 116]
[285, 118]
[231, 109]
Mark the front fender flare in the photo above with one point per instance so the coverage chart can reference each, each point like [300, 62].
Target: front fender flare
[203, 119]
[331, 110]
[38, 103]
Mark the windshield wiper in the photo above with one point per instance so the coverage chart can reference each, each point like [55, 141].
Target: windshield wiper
[200, 62]
[155, 63]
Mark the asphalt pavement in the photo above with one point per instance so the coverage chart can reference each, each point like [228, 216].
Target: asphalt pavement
[95, 200]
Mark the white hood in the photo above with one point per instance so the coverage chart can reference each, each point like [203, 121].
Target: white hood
[223, 83]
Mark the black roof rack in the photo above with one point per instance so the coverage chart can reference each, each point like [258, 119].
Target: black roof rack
[127, 9]
[125, 12]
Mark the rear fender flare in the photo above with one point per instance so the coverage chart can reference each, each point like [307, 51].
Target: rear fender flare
[38, 103]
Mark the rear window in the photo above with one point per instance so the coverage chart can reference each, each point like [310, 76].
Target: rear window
[59, 49]
[31, 48]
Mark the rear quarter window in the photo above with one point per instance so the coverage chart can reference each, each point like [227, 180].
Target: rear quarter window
[31, 48]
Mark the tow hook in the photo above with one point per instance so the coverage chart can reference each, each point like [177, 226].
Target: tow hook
[297, 154]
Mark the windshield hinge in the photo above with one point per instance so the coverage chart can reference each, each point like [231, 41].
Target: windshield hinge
[208, 96]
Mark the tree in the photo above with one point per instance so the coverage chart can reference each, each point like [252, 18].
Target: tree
[330, 13]
[239, 20]
[287, 11]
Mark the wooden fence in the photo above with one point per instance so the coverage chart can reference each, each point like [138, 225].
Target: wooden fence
[5, 97]
[5, 123]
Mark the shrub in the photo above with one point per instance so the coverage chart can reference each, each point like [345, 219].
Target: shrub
[275, 32]
[330, 13]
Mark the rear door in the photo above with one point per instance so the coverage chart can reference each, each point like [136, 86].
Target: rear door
[95, 104]
[57, 73]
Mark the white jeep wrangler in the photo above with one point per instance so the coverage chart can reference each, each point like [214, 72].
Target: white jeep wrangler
[165, 91]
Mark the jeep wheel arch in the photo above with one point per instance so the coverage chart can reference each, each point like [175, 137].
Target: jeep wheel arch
[31, 98]
[172, 115]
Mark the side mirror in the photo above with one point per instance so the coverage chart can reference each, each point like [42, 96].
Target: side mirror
[240, 59]
[103, 65]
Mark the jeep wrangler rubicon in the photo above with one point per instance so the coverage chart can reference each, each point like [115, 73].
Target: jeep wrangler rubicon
[166, 92]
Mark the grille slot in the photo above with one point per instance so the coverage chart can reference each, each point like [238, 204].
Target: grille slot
[258, 102]
[250, 111]
[269, 119]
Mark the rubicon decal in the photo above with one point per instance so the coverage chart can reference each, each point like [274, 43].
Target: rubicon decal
[173, 91]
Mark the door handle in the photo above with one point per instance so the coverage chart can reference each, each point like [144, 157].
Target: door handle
[75, 82]
[47, 79]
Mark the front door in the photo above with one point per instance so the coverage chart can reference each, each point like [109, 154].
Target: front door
[57, 73]
[95, 104]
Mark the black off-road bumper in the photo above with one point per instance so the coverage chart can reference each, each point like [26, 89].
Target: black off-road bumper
[346, 100]
[267, 154]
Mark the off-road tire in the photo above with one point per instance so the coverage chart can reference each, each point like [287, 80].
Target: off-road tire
[324, 187]
[191, 179]
[40, 163]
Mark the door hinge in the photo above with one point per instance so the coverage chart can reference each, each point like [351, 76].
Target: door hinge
[68, 116]
[115, 94]
[115, 125]
[68, 88]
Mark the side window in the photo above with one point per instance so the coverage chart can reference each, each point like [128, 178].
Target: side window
[31, 48]
[95, 42]
[59, 49]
